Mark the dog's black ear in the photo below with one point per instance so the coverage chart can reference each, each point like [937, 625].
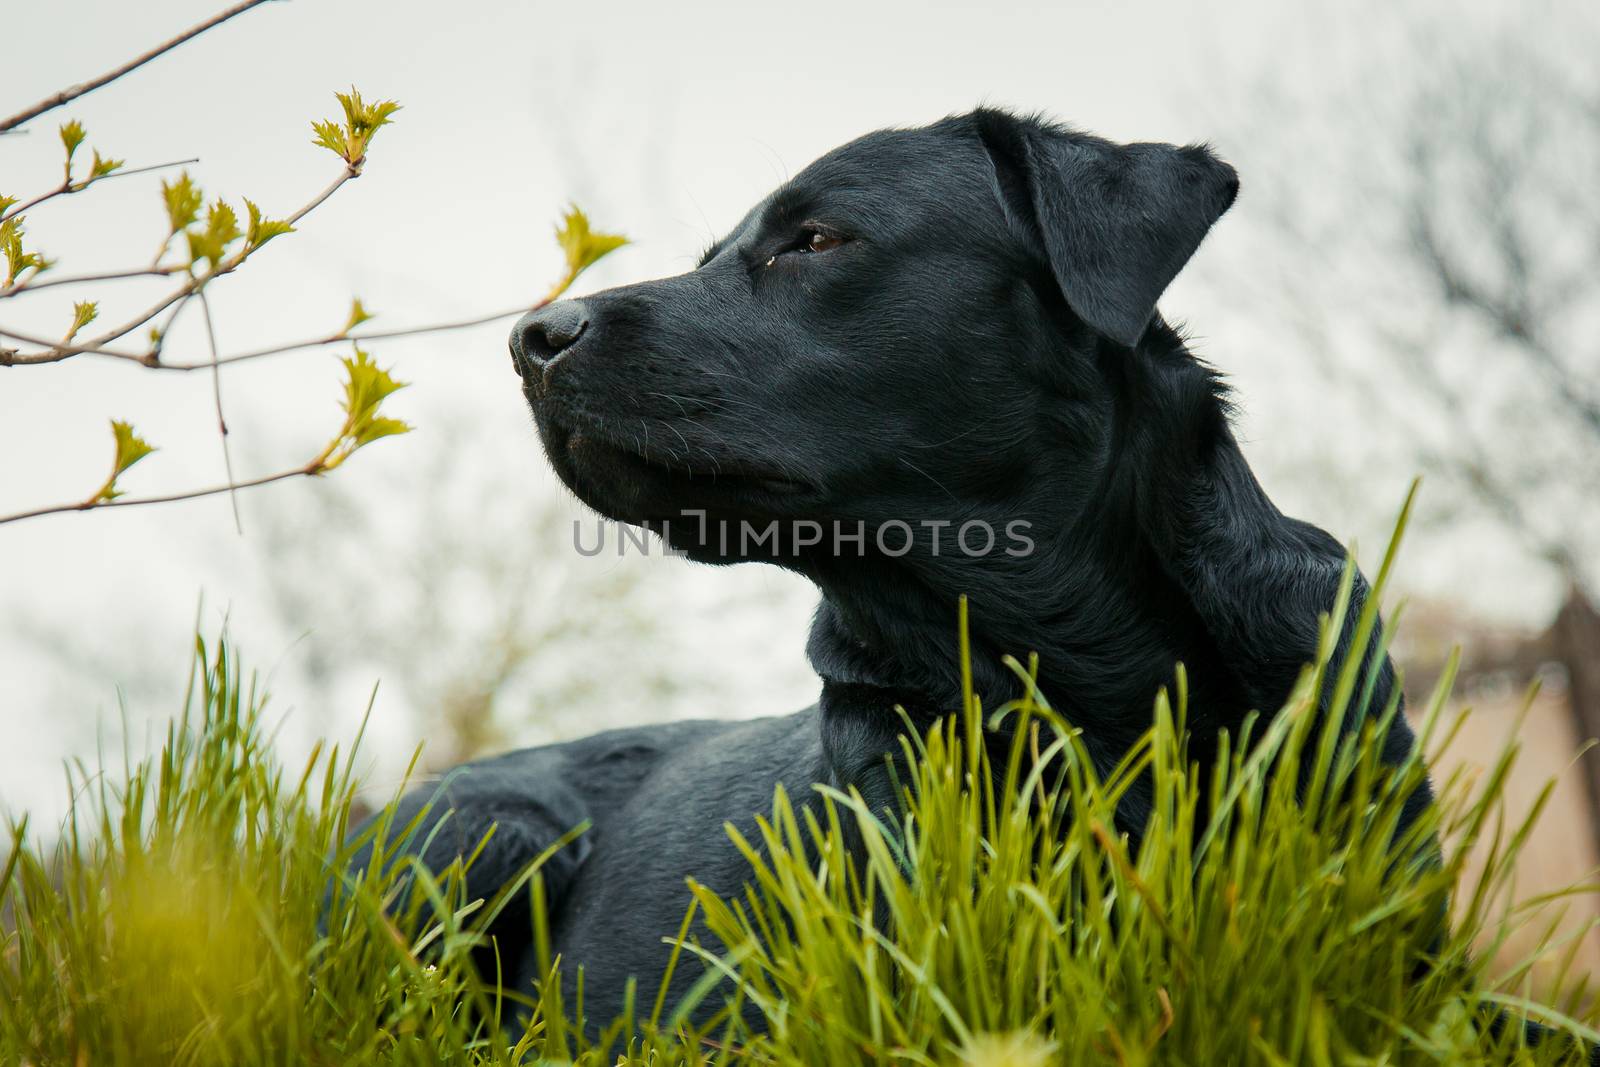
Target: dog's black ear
[1116, 222]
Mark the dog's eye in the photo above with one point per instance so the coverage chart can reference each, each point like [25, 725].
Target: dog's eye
[811, 240]
[818, 241]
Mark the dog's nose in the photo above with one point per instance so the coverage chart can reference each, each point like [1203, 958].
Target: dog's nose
[540, 336]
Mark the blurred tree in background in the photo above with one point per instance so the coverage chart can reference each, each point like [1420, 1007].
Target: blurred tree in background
[464, 609]
[401, 600]
[1430, 235]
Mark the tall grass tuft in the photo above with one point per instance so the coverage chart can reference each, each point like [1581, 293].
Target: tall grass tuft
[178, 915]
[1274, 912]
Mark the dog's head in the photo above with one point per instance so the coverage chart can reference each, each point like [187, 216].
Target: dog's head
[917, 325]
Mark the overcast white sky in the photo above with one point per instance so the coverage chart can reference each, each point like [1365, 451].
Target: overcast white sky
[663, 119]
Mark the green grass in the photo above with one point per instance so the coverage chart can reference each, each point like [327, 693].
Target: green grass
[175, 918]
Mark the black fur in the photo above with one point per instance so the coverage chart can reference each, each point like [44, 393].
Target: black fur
[983, 344]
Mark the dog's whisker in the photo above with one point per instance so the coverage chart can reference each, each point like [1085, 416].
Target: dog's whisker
[681, 439]
[930, 478]
[948, 440]
[675, 399]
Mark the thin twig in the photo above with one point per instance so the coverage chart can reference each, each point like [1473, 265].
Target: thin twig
[216, 394]
[351, 170]
[55, 353]
[28, 205]
[355, 338]
[1506, 316]
[159, 341]
[68, 188]
[71, 93]
[83, 279]
[9, 357]
[307, 471]
[319, 342]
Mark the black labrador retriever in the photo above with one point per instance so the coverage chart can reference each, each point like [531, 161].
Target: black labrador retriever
[929, 365]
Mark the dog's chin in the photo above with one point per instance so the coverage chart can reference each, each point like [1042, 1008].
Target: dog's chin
[665, 496]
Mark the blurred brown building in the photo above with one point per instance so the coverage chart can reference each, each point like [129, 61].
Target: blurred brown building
[1499, 667]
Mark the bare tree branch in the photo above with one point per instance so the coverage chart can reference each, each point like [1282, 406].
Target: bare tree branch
[1510, 318]
[53, 352]
[71, 93]
[369, 335]
[153, 362]
[352, 170]
[1444, 277]
[1468, 460]
[67, 188]
[84, 279]
[310, 470]
[216, 393]
[164, 331]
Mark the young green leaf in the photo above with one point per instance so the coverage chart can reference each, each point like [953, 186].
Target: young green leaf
[260, 230]
[375, 428]
[11, 247]
[582, 245]
[18, 260]
[72, 135]
[361, 121]
[5, 203]
[183, 199]
[102, 166]
[329, 135]
[358, 315]
[366, 387]
[130, 449]
[221, 230]
[83, 313]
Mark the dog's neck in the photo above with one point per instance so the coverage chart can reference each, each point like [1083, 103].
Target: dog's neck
[1107, 598]
[1108, 628]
